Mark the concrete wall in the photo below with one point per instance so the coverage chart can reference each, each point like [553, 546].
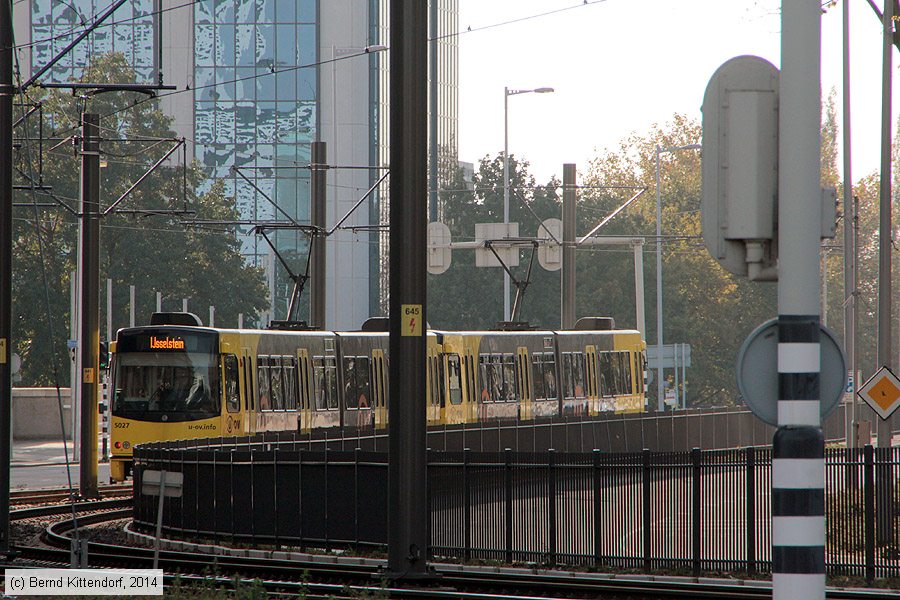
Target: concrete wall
[35, 413]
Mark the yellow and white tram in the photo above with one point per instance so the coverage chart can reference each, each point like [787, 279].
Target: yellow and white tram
[175, 379]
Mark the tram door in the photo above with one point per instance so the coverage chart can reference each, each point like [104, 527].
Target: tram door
[304, 401]
[471, 390]
[379, 388]
[523, 381]
[590, 376]
[434, 389]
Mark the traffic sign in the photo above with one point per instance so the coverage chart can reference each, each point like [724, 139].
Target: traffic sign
[882, 392]
[757, 372]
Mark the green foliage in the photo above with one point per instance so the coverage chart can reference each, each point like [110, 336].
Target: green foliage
[469, 298]
[703, 305]
[150, 251]
[210, 589]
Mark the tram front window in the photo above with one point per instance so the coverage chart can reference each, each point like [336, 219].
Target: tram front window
[154, 386]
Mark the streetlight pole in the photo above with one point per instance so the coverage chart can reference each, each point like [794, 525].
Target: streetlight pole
[506, 94]
[660, 397]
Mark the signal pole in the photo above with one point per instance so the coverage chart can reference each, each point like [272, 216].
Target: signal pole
[317, 241]
[568, 251]
[798, 459]
[6, 202]
[849, 219]
[407, 456]
[89, 280]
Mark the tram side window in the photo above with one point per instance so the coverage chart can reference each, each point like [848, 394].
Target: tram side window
[331, 382]
[622, 371]
[537, 376]
[290, 382]
[232, 380]
[607, 380]
[325, 383]
[319, 384]
[363, 382]
[351, 394]
[619, 374]
[495, 369]
[568, 381]
[578, 374]
[510, 388]
[549, 369]
[262, 382]
[276, 385]
[626, 367]
[453, 379]
[484, 373]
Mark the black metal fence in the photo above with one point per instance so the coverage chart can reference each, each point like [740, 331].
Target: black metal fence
[693, 512]
[705, 428]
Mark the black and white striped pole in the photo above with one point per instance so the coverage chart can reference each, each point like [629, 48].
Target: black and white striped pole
[798, 465]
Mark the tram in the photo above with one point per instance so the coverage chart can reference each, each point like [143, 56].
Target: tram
[175, 379]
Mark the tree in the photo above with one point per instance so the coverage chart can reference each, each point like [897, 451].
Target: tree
[466, 297]
[152, 252]
[703, 305]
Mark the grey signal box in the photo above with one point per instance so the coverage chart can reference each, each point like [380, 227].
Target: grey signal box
[740, 167]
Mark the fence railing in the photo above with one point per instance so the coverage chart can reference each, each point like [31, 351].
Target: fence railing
[675, 431]
[693, 512]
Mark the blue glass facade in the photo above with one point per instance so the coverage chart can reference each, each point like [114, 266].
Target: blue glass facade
[255, 96]
[129, 31]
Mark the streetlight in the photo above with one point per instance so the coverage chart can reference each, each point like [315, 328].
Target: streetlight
[660, 398]
[506, 94]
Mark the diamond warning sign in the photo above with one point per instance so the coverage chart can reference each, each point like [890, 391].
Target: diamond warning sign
[882, 392]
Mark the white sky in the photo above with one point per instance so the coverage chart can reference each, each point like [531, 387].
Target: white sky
[619, 66]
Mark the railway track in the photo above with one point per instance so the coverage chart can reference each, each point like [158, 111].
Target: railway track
[47, 496]
[330, 578]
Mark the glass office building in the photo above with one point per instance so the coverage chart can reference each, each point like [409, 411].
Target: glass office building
[265, 79]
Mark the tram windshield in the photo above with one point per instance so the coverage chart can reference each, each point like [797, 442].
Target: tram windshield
[156, 386]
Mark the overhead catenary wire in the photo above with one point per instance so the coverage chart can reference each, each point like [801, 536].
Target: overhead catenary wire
[365, 52]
